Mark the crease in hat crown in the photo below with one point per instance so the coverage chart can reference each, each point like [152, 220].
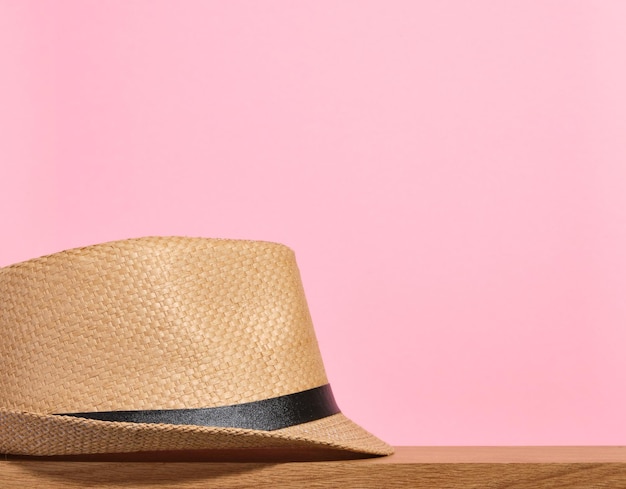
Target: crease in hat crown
[158, 323]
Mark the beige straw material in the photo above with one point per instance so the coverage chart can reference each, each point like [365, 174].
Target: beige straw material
[32, 434]
[157, 323]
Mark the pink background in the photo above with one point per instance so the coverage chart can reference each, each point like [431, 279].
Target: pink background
[451, 174]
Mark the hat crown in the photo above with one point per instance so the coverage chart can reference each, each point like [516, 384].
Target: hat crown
[155, 323]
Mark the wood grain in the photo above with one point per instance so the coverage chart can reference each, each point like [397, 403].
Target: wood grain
[415, 467]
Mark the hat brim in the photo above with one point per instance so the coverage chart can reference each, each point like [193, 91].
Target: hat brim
[47, 434]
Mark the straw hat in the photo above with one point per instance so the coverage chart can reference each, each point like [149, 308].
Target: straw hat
[164, 344]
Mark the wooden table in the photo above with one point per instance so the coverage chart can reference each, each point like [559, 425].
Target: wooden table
[415, 467]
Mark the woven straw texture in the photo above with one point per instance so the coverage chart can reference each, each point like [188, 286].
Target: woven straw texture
[157, 323]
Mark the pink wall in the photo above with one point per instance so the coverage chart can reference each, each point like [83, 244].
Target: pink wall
[451, 174]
